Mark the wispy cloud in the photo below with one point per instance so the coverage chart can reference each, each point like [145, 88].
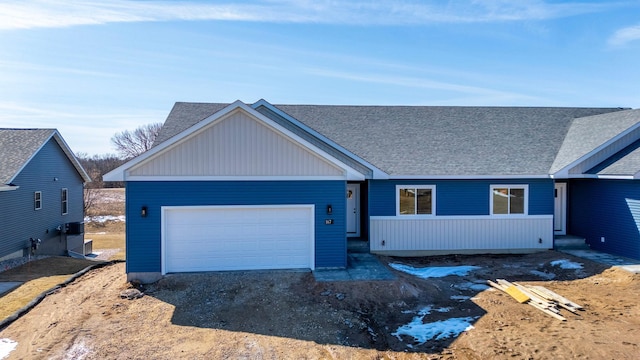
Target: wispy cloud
[625, 35]
[24, 14]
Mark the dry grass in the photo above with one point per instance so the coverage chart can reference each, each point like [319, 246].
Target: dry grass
[22, 295]
[108, 235]
[106, 202]
[38, 277]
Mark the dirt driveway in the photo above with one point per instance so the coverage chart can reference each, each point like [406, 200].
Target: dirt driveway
[288, 315]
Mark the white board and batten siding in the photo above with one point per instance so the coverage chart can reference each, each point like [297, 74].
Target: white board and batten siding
[250, 237]
[237, 146]
[472, 234]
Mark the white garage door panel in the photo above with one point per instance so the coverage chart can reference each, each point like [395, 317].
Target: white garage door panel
[237, 238]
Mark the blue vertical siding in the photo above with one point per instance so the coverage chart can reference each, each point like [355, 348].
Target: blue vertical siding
[20, 221]
[460, 197]
[144, 234]
[609, 209]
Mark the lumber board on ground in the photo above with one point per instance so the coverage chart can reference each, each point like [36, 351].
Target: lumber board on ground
[537, 296]
[514, 291]
[562, 301]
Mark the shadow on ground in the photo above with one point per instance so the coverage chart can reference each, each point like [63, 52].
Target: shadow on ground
[51, 266]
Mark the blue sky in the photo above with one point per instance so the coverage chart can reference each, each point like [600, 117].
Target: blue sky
[93, 68]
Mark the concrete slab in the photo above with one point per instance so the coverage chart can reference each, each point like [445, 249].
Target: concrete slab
[622, 262]
[360, 267]
[6, 286]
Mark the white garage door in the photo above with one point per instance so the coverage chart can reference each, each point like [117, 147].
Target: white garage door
[214, 238]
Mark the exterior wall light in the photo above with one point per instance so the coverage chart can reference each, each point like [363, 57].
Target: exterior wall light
[143, 211]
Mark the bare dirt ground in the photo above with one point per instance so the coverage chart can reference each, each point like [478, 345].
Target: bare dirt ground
[288, 315]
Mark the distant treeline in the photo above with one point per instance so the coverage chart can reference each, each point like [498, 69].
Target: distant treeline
[98, 165]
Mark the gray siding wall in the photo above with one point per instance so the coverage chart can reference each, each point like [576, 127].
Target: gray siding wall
[18, 219]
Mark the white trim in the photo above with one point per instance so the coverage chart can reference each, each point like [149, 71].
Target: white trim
[376, 172]
[8, 188]
[465, 177]
[35, 207]
[65, 149]
[163, 209]
[416, 216]
[563, 208]
[596, 176]
[230, 178]
[121, 173]
[64, 200]
[460, 217]
[509, 186]
[564, 172]
[356, 188]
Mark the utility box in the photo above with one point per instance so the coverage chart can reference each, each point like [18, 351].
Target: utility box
[75, 228]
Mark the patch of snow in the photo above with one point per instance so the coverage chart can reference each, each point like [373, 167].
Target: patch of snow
[434, 272]
[422, 332]
[427, 310]
[544, 275]
[6, 346]
[98, 233]
[103, 218]
[471, 286]
[460, 297]
[566, 264]
[78, 351]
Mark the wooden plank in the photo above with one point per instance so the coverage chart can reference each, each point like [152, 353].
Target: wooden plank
[497, 286]
[547, 311]
[513, 291]
[559, 298]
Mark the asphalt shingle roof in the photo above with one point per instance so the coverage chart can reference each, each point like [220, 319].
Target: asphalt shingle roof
[428, 140]
[17, 146]
[587, 133]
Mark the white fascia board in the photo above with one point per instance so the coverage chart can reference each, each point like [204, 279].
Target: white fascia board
[8, 187]
[230, 178]
[564, 172]
[465, 177]
[377, 173]
[72, 157]
[65, 148]
[121, 173]
[596, 176]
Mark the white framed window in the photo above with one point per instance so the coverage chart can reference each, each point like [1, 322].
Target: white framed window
[509, 199]
[415, 200]
[37, 200]
[64, 199]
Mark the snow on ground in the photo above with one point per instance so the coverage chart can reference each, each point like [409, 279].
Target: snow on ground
[422, 332]
[103, 218]
[460, 298]
[434, 272]
[544, 275]
[471, 286]
[6, 346]
[566, 264]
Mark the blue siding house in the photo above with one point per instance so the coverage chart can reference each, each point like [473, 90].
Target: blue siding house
[263, 186]
[41, 190]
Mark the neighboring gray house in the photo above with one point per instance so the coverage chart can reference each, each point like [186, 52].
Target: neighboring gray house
[262, 186]
[41, 192]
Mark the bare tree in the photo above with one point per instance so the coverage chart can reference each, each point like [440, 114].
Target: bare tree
[96, 166]
[130, 144]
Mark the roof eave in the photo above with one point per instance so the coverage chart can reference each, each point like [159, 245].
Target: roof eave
[376, 172]
[121, 172]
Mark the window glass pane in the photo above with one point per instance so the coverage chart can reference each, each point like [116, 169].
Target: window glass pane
[424, 201]
[500, 200]
[407, 201]
[517, 201]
